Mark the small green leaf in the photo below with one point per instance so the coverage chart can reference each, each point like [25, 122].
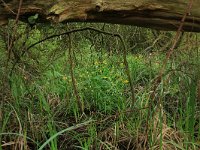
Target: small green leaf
[32, 19]
[35, 16]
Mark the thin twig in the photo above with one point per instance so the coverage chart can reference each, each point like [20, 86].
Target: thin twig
[6, 5]
[10, 45]
[71, 61]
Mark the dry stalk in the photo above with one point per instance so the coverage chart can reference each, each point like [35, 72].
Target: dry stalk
[75, 88]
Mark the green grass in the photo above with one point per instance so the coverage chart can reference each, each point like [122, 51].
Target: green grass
[40, 110]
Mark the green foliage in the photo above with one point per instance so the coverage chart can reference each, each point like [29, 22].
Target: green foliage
[39, 105]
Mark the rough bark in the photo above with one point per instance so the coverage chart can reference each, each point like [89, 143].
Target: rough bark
[160, 14]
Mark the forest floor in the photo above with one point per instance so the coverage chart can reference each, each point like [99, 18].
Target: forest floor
[81, 99]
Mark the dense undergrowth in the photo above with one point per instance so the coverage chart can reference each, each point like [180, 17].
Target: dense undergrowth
[40, 89]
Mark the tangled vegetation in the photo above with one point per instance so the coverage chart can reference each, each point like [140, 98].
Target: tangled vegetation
[73, 91]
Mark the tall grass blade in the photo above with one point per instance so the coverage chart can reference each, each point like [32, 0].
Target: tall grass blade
[65, 130]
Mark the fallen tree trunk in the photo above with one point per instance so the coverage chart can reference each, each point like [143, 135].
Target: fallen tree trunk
[158, 14]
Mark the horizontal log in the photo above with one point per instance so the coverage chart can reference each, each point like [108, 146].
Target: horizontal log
[158, 14]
